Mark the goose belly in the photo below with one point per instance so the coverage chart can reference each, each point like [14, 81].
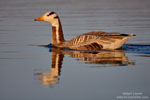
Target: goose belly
[114, 45]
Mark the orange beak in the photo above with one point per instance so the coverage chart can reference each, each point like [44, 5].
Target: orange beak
[39, 19]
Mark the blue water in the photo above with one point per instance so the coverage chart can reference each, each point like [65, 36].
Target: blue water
[137, 48]
[129, 48]
[31, 71]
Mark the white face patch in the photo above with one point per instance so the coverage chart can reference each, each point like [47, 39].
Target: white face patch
[51, 17]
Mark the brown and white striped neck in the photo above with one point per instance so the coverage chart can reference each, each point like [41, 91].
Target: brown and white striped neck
[57, 32]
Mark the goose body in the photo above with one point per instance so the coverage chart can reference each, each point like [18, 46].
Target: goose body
[87, 41]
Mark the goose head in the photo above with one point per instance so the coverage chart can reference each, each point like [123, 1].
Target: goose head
[50, 17]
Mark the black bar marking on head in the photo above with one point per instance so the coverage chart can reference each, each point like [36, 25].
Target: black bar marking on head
[51, 13]
[56, 17]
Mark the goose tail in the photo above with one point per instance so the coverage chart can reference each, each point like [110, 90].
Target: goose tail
[132, 34]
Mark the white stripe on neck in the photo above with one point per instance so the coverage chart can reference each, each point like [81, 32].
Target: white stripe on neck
[57, 34]
[55, 23]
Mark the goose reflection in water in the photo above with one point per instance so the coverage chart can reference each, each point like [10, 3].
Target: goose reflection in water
[113, 58]
[51, 77]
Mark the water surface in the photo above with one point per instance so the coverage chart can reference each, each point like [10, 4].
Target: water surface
[34, 72]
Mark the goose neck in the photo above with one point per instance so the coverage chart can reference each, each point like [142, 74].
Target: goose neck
[57, 33]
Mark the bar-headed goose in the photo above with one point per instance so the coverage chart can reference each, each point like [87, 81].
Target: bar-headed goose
[87, 41]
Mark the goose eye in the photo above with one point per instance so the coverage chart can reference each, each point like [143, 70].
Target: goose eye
[48, 14]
